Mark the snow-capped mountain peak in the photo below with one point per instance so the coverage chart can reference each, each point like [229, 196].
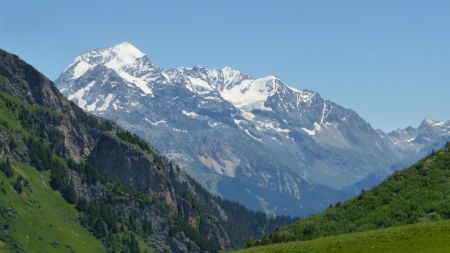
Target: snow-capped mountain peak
[429, 135]
[123, 54]
[128, 62]
[126, 48]
[434, 123]
[116, 58]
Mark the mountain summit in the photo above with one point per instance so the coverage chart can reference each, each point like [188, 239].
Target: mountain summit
[255, 140]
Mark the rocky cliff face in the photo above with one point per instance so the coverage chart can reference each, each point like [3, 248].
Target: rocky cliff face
[158, 178]
[23, 82]
[255, 140]
[163, 206]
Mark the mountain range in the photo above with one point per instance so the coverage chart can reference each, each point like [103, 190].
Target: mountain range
[258, 141]
[74, 182]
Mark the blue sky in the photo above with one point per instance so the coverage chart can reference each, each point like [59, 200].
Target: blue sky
[387, 60]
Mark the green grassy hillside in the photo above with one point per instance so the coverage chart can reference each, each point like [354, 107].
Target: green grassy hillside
[424, 237]
[416, 194]
[34, 218]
